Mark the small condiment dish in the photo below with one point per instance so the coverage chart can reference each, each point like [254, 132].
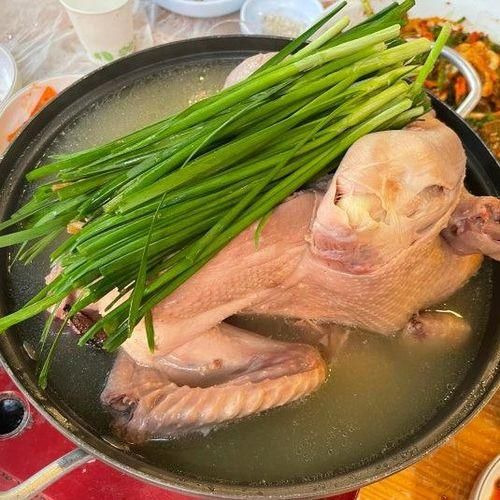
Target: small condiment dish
[279, 17]
[487, 485]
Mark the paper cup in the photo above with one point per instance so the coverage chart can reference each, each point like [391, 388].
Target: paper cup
[103, 26]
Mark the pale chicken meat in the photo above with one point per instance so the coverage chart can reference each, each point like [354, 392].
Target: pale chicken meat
[394, 233]
[246, 68]
[437, 327]
[190, 387]
[474, 225]
[368, 253]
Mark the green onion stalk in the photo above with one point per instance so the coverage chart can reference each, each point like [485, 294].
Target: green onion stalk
[146, 211]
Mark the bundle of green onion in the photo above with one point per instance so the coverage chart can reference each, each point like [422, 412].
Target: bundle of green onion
[148, 210]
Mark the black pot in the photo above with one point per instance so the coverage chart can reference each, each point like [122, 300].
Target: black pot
[483, 177]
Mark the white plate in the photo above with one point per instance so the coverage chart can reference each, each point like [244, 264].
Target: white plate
[17, 110]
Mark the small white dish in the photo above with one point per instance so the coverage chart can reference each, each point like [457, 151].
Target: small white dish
[486, 486]
[255, 16]
[18, 110]
[201, 8]
[9, 76]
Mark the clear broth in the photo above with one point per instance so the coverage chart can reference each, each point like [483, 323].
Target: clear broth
[380, 391]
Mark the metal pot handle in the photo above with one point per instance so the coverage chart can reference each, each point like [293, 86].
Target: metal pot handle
[470, 75]
[48, 475]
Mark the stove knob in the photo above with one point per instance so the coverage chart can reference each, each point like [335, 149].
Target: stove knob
[14, 414]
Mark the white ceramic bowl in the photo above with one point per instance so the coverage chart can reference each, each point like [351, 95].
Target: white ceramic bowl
[201, 8]
[18, 109]
[9, 77]
[253, 13]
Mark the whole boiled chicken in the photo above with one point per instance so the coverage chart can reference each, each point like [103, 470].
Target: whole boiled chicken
[394, 233]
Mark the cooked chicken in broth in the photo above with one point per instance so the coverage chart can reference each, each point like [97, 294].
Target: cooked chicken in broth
[368, 253]
[338, 292]
[351, 256]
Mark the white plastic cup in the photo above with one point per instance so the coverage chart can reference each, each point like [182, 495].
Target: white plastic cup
[104, 27]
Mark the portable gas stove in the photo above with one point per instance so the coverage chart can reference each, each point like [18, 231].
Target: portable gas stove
[28, 443]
